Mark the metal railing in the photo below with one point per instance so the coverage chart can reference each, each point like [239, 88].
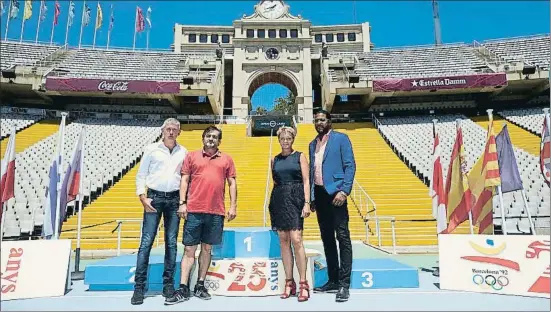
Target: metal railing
[368, 210]
[118, 228]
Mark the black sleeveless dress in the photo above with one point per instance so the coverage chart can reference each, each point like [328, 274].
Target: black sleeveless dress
[287, 199]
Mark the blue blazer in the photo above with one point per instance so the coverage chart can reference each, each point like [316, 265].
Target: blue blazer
[338, 167]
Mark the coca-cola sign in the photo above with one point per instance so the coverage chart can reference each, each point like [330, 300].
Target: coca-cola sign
[111, 86]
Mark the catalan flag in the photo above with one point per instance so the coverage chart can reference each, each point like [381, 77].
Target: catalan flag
[483, 179]
[458, 201]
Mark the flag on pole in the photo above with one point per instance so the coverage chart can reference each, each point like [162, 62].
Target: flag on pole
[483, 179]
[57, 12]
[14, 9]
[99, 17]
[7, 181]
[28, 12]
[140, 23]
[437, 187]
[71, 13]
[458, 195]
[148, 17]
[71, 182]
[50, 204]
[545, 163]
[507, 162]
[86, 18]
[43, 11]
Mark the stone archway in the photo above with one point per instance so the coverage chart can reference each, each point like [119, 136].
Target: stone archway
[274, 103]
[272, 77]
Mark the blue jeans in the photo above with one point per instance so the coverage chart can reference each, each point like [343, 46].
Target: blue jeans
[167, 206]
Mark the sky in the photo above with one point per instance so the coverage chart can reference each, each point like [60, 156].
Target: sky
[394, 23]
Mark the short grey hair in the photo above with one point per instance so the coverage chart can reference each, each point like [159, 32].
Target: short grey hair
[170, 121]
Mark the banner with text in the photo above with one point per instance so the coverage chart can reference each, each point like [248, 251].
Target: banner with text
[249, 277]
[440, 83]
[114, 86]
[511, 264]
[34, 269]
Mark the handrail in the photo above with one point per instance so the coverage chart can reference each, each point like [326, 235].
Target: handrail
[118, 228]
[377, 225]
[265, 208]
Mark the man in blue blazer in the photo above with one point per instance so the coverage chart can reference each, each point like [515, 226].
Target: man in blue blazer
[332, 170]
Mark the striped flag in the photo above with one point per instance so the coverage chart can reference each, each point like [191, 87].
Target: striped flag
[458, 195]
[72, 183]
[545, 164]
[483, 179]
[437, 187]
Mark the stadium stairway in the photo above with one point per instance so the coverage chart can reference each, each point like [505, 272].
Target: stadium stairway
[520, 137]
[396, 191]
[31, 135]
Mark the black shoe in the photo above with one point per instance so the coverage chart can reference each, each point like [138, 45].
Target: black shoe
[329, 287]
[342, 295]
[168, 290]
[201, 292]
[180, 295]
[137, 297]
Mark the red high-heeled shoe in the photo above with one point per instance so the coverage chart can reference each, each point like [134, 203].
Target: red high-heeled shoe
[303, 286]
[291, 286]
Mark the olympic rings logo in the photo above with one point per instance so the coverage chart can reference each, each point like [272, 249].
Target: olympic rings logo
[214, 285]
[490, 281]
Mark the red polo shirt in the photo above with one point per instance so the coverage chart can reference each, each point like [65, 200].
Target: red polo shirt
[207, 183]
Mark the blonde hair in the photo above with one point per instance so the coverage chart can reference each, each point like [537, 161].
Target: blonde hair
[287, 130]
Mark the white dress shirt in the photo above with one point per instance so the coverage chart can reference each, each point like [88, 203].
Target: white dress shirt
[160, 170]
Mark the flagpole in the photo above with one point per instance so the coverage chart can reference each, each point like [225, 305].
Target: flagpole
[39, 20]
[80, 201]
[53, 24]
[4, 211]
[8, 22]
[135, 29]
[95, 26]
[22, 27]
[68, 19]
[110, 27]
[147, 39]
[458, 127]
[82, 24]
[527, 210]
[59, 173]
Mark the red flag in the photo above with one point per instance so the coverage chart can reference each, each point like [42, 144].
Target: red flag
[140, 21]
[437, 188]
[7, 181]
[56, 13]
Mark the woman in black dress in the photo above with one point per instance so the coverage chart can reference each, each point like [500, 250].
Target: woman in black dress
[289, 205]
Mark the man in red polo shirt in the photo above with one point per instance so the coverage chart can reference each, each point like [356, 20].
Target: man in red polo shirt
[205, 172]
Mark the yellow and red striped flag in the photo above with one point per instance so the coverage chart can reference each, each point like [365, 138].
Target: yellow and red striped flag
[458, 199]
[483, 179]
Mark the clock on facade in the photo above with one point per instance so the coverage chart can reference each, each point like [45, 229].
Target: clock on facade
[272, 9]
[272, 53]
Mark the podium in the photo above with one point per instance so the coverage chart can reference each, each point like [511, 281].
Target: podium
[247, 263]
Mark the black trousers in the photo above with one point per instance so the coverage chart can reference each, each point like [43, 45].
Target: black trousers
[333, 222]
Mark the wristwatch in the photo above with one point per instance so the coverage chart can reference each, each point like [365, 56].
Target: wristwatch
[182, 202]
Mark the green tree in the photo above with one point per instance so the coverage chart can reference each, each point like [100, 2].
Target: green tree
[285, 105]
[261, 111]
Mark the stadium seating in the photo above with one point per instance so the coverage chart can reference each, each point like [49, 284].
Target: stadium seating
[121, 64]
[18, 53]
[19, 121]
[411, 137]
[530, 119]
[105, 161]
[533, 50]
[133, 109]
[423, 61]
